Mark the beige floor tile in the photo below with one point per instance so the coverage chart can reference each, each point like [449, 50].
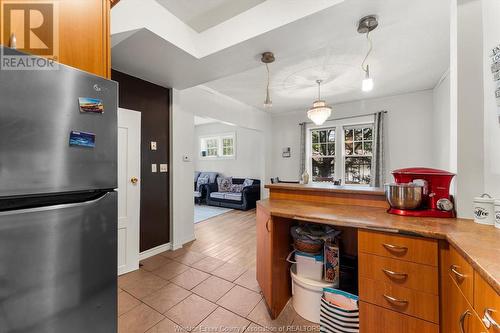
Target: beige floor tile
[129, 278]
[213, 288]
[166, 326]
[145, 286]
[300, 324]
[249, 280]
[155, 262]
[222, 320]
[170, 270]
[254, 328]
[126, 302]
[191, 311]
[260, 315]
[240, 300]
[190, 278]
[208, 264]
[189, 257]
[229, 271]
[138, 320]
[165, 298]
[173, 254]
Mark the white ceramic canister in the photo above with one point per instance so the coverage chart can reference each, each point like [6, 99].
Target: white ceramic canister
[484, 209]
[497, 214]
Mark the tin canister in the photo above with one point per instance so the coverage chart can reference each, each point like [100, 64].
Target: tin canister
[332, 262]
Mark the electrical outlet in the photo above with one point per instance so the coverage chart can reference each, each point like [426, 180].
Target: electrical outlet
[163, 167]
[153, 145]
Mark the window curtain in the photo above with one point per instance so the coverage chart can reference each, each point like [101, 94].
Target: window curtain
[378, 160]
[302, 149]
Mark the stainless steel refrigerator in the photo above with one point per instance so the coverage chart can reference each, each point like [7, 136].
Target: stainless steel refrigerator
[58, 204]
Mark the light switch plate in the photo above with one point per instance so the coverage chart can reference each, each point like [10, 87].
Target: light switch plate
[153, 145]
[154, 168]
[163, 167]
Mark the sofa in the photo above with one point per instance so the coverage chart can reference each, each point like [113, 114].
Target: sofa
[200, 193]
[244, 200]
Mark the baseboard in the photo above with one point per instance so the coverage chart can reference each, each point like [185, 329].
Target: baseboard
[154, 251]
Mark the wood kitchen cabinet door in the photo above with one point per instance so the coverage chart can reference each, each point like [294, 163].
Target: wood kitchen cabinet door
[264, 255]
[487, 301]
[82, 39]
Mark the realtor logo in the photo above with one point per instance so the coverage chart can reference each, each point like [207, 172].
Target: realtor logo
[32, 27]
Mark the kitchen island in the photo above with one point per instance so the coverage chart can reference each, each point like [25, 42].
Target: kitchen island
[443, 261]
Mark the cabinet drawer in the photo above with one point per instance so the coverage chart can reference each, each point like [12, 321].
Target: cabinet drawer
[486, 300]
[375, 319]
[461, 272]
[400, 273]
[411, 302]
[413, 249]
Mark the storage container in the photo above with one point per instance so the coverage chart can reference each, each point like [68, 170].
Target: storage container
[484, 209]
[308, 265]
[341, 317]
[332, 262]
[306, 295]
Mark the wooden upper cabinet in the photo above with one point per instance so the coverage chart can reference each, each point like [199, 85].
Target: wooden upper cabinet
[78, 30]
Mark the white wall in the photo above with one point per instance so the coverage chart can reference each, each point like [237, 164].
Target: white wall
[249, 159]
[442, 128]
[409, 132]
[491, 38]
[203, 102]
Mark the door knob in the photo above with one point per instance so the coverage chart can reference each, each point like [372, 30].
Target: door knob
[134, 180]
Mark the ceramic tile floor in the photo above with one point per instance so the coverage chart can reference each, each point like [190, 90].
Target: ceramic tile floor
[185, 291]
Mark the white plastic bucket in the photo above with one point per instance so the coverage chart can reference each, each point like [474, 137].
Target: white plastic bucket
[309, 266]
[306, 295]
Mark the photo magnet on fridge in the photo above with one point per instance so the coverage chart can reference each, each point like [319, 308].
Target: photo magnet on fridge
[82, 139]
[90, 105]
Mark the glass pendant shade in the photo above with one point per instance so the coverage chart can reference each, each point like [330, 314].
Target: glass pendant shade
[367, 84]
[268, 103]
[319, 113]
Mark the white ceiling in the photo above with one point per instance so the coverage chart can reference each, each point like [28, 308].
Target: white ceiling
[311, 40]
[204, 14]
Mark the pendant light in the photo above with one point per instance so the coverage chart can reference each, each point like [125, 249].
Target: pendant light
[365, 26]
[268, 58]
[320, 111]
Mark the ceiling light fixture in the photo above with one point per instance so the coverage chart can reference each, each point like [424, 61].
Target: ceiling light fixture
[320, 111]
[268, 58]
[366, 25]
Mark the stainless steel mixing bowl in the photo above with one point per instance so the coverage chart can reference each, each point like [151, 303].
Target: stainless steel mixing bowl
[404, 196]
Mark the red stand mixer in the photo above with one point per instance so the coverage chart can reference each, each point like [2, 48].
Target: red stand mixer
[421, 192]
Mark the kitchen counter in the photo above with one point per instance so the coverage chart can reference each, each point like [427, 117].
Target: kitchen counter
[327, 188]
[478, 244]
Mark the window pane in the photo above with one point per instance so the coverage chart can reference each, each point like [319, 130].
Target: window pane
[315, 149]
[367, 148]
[212, 152]
[348, 135]
[322, 136]
[315, 137]
[227, 142]
[348, 148]
[358, 134]
[323, 169]
[331, 149]
[358, 148]
[368, 133]
[227, 151]
[331, 135]
[323, 149]
[358, 170]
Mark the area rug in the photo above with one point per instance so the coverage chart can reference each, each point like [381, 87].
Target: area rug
[202, 212]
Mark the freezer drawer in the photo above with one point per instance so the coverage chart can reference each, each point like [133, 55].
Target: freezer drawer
[58, 268]
[38, 111]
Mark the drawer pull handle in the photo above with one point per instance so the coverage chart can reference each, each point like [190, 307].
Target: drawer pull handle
[462, 319]
[396, 248]
[395, 274]
[395, 300]
[488, 319]
[454, 270]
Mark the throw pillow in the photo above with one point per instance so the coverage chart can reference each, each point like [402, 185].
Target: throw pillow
[224, 183]
[201, 181]
[248, 182]
[237, 188]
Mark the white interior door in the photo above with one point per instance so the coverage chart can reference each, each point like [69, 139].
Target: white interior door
[129, 189]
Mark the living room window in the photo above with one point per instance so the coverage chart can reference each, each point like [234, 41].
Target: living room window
[346, 156]
[220, 146]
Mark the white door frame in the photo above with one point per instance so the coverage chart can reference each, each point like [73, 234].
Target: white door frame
[128, 225]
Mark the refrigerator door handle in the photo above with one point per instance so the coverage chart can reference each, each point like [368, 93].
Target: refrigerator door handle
[55, 207]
